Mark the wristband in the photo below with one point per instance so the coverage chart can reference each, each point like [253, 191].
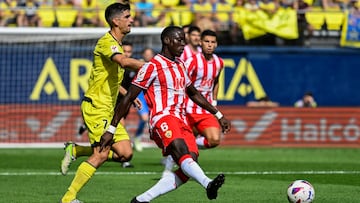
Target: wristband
[111, 129]
[214, 103]
[219, 115]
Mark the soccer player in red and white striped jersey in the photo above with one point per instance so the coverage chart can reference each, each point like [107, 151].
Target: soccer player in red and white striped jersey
[166, 84]
[204, 69]
[192, 45]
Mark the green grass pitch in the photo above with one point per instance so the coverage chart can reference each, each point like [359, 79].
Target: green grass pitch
[252, 175]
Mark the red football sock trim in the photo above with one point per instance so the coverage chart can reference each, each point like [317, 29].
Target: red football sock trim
[183, 158]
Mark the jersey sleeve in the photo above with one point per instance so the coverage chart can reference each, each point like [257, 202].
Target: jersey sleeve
[145, 76]
[108, 47]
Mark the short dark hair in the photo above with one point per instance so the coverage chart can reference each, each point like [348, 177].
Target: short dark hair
[208, 33]
[127, 43]
[194, 28]
[168, 31]
[186, 26]
[114, 9]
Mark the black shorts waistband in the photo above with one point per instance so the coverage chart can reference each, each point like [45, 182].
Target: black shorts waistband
[87, 99]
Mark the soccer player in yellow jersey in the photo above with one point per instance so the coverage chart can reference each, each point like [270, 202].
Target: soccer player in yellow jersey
[100, 99]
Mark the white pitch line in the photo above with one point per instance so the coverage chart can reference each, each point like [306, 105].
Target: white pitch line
[155, 173]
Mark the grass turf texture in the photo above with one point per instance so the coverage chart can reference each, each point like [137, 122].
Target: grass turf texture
[252, 175]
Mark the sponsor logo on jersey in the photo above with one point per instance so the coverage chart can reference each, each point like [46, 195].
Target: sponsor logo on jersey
[114, 49]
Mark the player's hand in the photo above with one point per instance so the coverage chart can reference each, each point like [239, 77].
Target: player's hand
[225, 124]
[106, 140]
[137, 103]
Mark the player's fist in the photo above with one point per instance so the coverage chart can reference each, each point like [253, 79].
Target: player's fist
[225, 124]
[106, 140]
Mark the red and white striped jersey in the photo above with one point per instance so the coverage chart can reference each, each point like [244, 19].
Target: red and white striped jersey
[188, 52]
[202, 73]
[164, 83]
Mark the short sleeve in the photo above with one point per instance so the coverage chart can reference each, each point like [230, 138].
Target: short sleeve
[145, 76]
[108, 47]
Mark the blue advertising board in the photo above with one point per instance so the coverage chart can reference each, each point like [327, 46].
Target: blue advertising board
[52, 74]
[285, 74]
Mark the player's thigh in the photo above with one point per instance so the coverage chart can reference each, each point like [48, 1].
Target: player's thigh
[204, 123]
[170, 128]
[209, 127]
[212, 133]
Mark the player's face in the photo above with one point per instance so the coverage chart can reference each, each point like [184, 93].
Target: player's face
[124, 21]
[194, 38]
[177, 43]
[148, 54]
[208, 44]
[127, 50]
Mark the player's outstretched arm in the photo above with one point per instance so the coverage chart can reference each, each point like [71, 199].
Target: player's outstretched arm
[127, 62]
[202, 101]
[120, 110]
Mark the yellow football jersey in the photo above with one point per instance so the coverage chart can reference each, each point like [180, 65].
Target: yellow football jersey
[106, 75]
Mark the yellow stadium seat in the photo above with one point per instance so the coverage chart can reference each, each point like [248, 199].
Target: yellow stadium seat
[170, 3]
[309, 2]
[315, 18]
[66, 16]
[155, 2]
[334, 20]
[181, 16]
[223, 12]
[231, 2]
[163, 22]
[239, 15]
[102, 17]
[47, 16]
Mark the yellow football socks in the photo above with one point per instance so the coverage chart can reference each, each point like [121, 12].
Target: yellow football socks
[82, 151]
[79, 151]
[82, 176]
[110, 156]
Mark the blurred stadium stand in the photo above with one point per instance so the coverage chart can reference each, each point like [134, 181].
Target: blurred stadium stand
[271, 23]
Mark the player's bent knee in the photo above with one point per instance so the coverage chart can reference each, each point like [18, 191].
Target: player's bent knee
[123, 157]
[127, 157]
[214, 142]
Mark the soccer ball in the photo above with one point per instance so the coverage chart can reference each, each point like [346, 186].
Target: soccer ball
[300, 191]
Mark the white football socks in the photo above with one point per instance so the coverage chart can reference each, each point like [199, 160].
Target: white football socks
[192, 169]
[169, 181]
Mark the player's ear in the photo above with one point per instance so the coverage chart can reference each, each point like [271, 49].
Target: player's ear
[167, 40]
[115, 22]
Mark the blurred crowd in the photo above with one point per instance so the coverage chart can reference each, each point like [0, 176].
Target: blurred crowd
[227, 17]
